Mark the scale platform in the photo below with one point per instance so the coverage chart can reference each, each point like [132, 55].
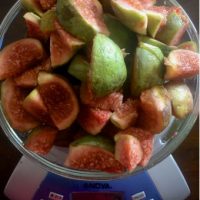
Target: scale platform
[162, 182]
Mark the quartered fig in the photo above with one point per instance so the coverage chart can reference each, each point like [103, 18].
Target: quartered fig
[62, 46]
[89, 157]
[125, 115]
[155, 113]
[41, 140]
[181, 97]
[147, 69]
[18, 56]
[131, 15]
[146, 140]
[92, 120]
[81, 18]
[12, 98]
[107, 69]
[181, 64]
[59, 98]
[128, 151]
[172, 32]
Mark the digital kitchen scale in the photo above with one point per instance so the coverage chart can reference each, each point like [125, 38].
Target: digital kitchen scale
[162, 182]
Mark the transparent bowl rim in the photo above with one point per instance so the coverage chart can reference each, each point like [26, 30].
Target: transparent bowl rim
[87, 175]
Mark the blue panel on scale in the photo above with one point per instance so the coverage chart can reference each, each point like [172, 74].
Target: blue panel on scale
[139, 186]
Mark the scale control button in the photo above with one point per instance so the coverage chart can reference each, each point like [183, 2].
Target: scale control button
[55, 196]
[138, 196]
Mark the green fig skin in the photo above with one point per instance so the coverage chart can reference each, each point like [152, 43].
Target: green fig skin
[135, 19]
[181, 98]
[108, 70]
[174, 26]
[72, 19]
[47, 21]
[147, 71]
[32, 6]
[154, 50]
[154, 22]
[120, 34]
[125, 39]
[79, 68]
[97, 140]
[163, 47]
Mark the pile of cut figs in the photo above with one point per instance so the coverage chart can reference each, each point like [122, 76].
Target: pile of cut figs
[100, 78]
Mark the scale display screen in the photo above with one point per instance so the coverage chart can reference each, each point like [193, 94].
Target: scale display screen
[97, 196]
[55, 187]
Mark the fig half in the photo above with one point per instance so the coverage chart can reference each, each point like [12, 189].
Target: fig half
[59, 98]
[18, 56]
[12, 98]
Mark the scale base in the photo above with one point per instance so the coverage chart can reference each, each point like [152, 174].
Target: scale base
[162, 182]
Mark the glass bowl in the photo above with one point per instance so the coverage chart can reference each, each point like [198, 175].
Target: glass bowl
[165, 143]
